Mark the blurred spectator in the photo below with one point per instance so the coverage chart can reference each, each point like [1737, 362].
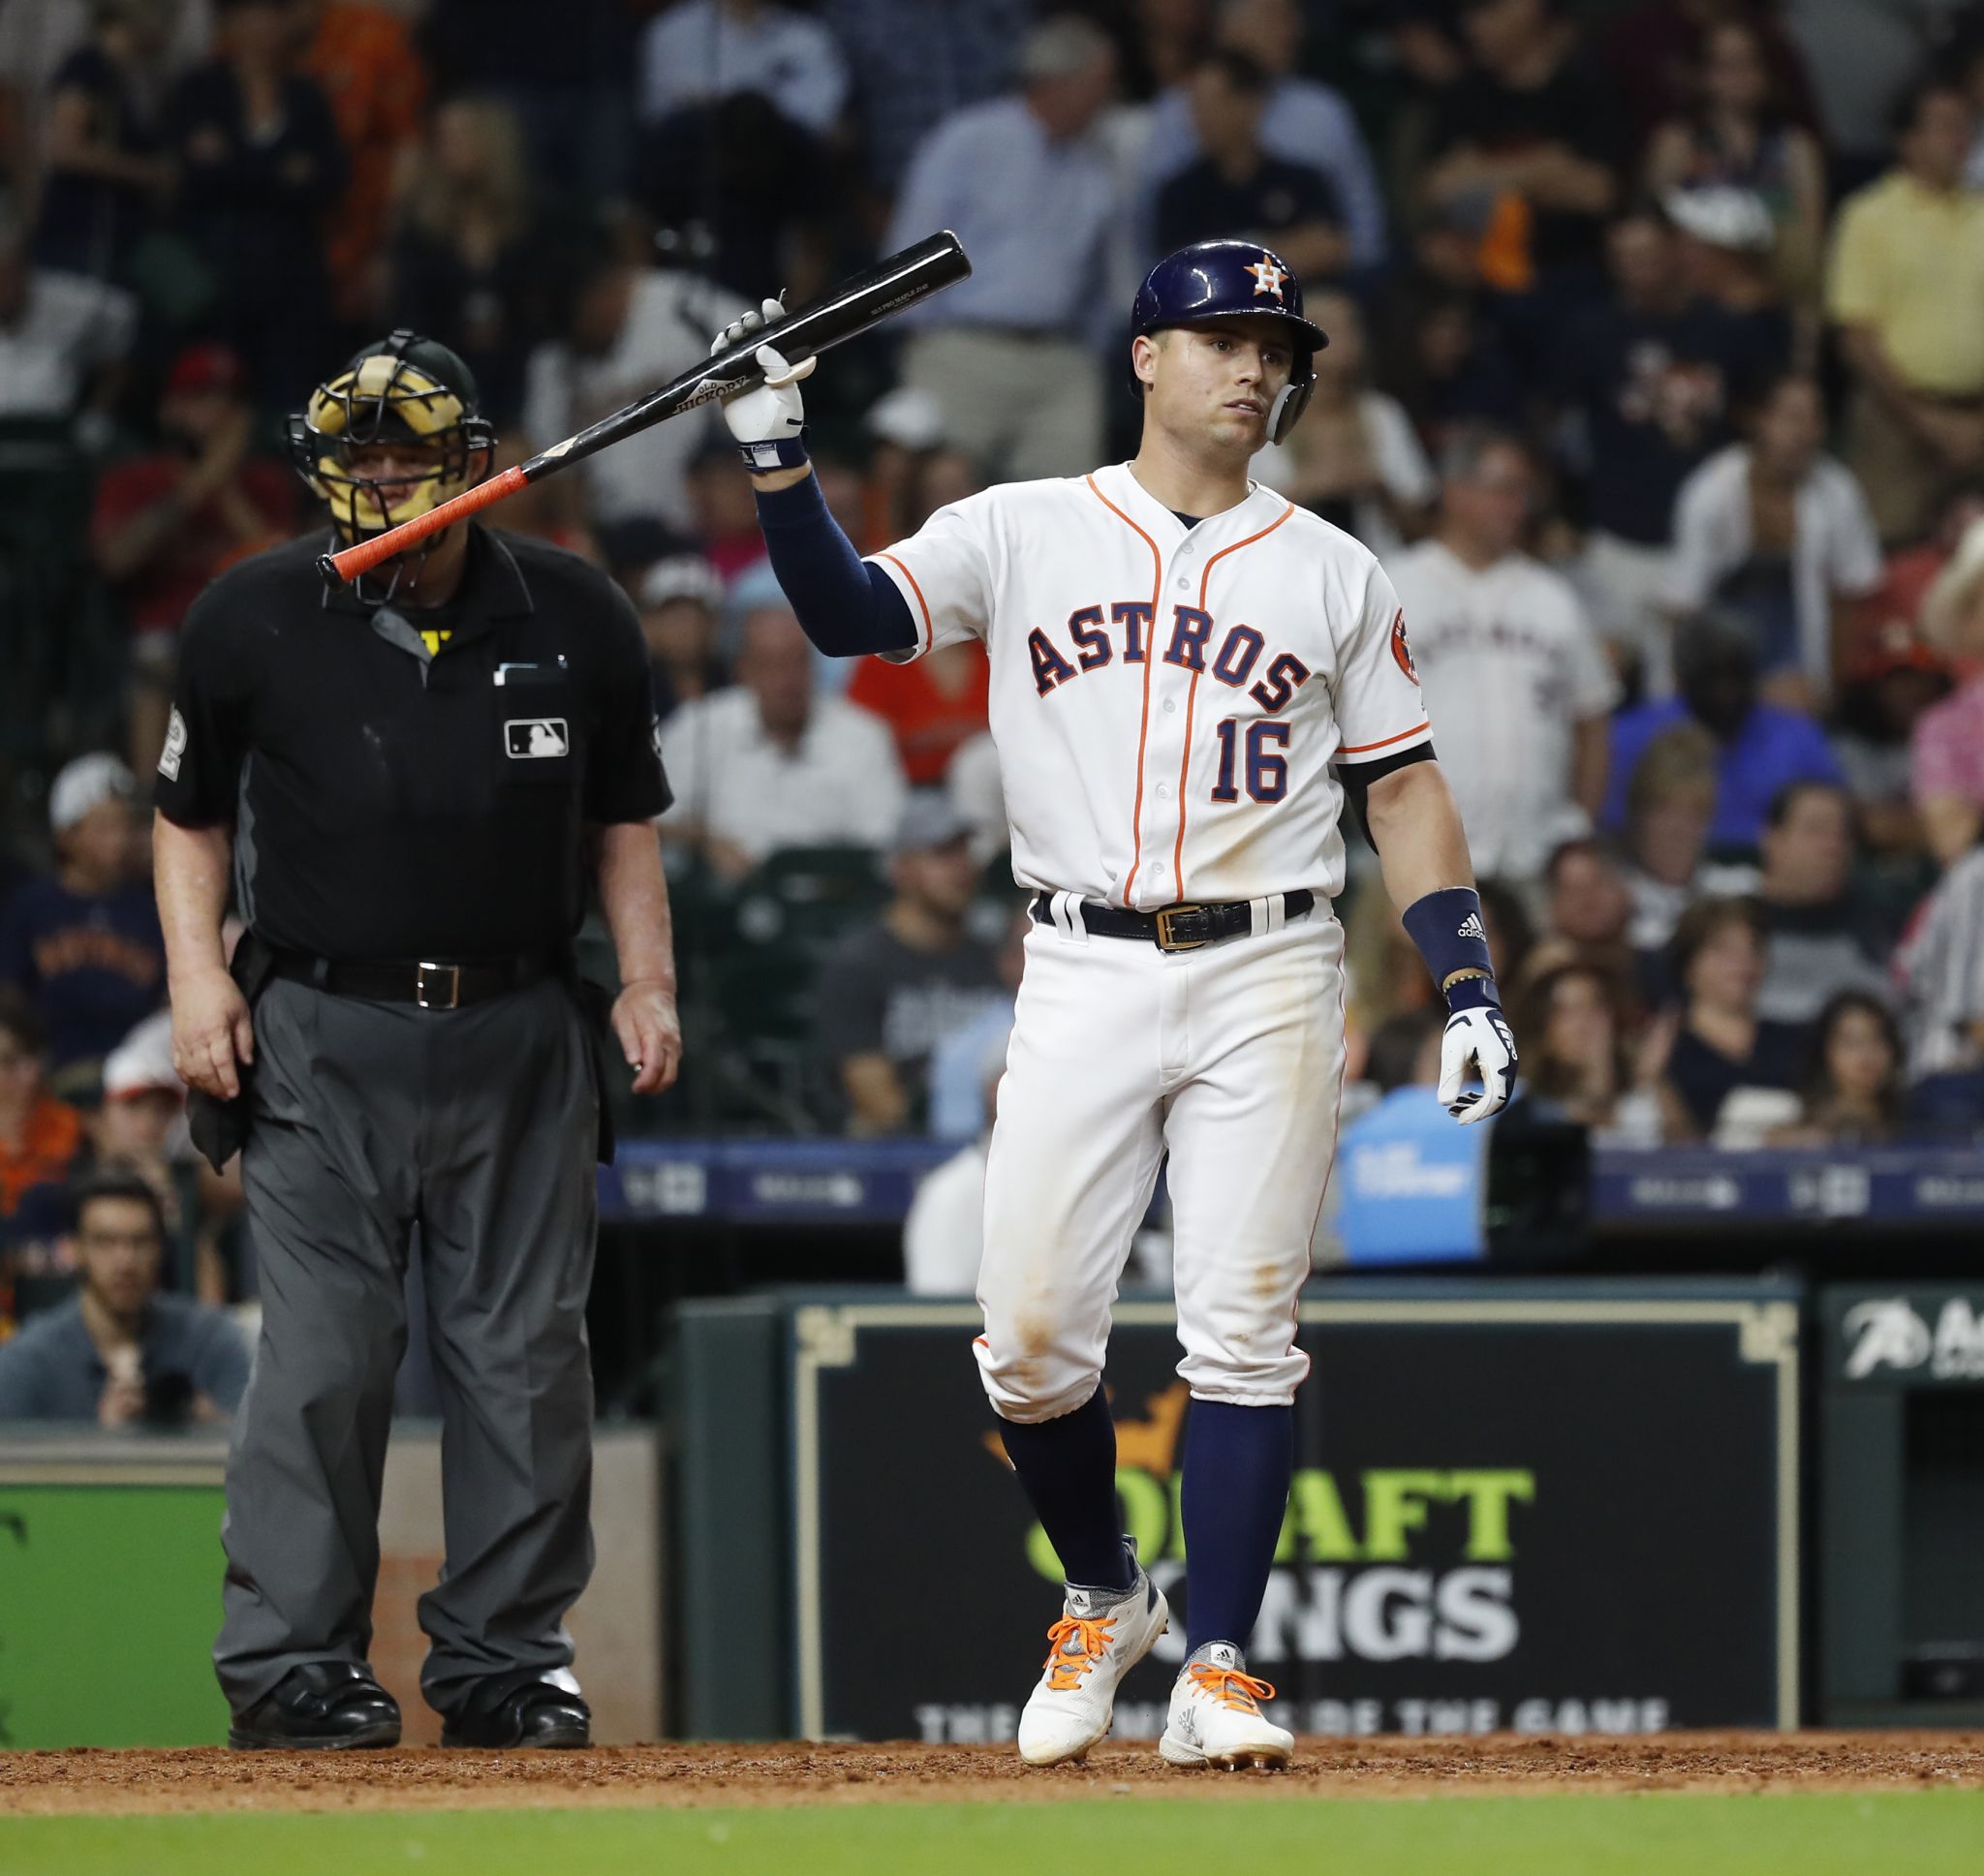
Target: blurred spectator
[1853, 1093]
[1655, 55]
[1587, 913]
[62, 336]
[1301, 123]
[1653, 370]
[913, 64]
[630, 328]
[568, 78]
[1759, 747]
[978, 794]
[767, 764]
[1726, 245]
[1940, 965]
[1526, 142]
[84, 948]
[1911, 571]
[1404, 1051]
[1447, 354]
[1719, 1044]
[1823, 937]
[944, 1235]
[700, 49]
[105, 173]
[1891, 686]
[1861, 56]
[1776, 534]
[120, 1353]
[1030, 187]
[1947, 750]
[466, 261]
[1354, 458]
[364, 58]
[260, 164]
[959, 1109]
[905, 428]
[932, 706]
[1235, 189]
[891, 994]
[1514, 676]
[678, 596]
[168, 522]
[1739, 133]
[1576, 1058]
[1906, 287]
[1670, 804]
[40, 1138]
[1165, 39]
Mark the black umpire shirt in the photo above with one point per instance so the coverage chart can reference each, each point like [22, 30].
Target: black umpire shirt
[393, 801]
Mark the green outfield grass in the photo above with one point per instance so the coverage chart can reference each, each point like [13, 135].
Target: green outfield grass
[1817, 1834]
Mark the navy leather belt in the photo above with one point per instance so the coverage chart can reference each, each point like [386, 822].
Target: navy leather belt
[1174, 928]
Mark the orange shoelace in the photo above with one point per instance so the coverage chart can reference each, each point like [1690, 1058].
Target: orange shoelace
[1230, 1687]
[1074, 1645]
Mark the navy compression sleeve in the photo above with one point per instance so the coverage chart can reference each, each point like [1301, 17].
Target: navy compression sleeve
[846, 606]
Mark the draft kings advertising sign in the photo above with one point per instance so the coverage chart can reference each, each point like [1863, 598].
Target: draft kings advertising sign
[1552, 1516]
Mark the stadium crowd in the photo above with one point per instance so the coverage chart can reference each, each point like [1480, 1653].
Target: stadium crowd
[1655, 382]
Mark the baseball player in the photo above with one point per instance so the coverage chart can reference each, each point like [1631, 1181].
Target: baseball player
[1188, 676]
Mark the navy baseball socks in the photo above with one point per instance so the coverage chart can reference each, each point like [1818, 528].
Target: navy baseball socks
[1238, 1466]
[1067, 1469]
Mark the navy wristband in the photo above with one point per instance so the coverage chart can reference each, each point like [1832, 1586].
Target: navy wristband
[775, 452]
[1446, 925]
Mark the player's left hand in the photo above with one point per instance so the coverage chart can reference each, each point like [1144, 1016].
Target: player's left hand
[1482, 1037]
[773, 410]
[650, 1035]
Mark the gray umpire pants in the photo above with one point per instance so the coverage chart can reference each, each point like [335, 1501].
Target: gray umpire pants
[480, 1125]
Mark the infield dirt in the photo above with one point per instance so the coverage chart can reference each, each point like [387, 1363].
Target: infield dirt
[83, 1782]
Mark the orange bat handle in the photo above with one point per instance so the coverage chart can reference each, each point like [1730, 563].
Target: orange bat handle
[364, 555]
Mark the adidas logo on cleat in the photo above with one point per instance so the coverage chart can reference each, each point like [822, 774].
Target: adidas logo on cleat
[1472, 928]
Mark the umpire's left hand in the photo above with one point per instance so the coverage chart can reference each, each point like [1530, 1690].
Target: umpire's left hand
[650, 1035]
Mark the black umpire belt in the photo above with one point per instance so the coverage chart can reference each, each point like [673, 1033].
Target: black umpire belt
[1173, 928]
[424, 983]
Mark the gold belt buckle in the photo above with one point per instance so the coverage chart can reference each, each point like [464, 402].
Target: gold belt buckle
[441, 991]
[1166, 941]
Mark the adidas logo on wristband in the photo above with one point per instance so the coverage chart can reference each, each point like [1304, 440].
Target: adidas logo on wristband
[1472, 928]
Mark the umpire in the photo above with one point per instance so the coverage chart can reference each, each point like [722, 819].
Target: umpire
[407, 783]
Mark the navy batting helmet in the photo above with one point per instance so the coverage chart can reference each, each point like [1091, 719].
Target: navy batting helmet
[1227, 280]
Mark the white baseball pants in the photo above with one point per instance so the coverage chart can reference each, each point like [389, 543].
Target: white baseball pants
[1232, 1058]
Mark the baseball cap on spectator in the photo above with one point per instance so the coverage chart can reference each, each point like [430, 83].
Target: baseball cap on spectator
[142, 1062]
[85, 784]
[1722, 217]
[203, 368]
[928, 823]
[682, 576]
[908, 418]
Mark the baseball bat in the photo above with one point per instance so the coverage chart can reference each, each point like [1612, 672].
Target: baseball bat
[852, 308]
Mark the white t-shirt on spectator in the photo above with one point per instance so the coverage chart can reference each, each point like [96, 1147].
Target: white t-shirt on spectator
[71, 327]
[698, 49]
[1834, 547]
[840, 784]
[1510, 664]
[1396, 454]
[1940, 964]
[943, 1236]
[671, 318]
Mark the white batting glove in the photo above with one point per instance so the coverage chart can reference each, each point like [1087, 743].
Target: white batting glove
[1482, 1037]
[772, 411]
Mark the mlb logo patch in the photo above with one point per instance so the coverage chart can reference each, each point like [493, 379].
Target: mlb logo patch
[532, 739]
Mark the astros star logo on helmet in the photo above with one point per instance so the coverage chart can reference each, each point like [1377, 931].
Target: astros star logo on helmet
[1268, 276]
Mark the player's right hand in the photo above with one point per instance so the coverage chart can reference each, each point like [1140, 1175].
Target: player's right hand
[212, 1032]
[773, 410]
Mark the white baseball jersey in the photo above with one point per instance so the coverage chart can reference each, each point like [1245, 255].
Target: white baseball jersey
[1511, 664]
[1168, 700]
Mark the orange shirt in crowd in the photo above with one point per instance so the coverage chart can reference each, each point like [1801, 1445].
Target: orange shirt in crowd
[48, 1148]
[364, 60]
[930, 706]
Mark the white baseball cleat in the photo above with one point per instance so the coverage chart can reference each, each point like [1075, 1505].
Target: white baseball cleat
[1097, 1640]
[1215, 1717]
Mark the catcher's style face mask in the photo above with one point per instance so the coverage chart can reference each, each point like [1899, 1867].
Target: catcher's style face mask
[382, 398]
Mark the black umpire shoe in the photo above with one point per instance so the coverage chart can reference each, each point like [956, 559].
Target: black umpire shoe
[536, 1714]
[323, 1705]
